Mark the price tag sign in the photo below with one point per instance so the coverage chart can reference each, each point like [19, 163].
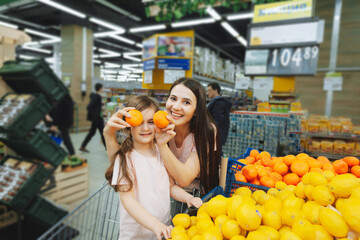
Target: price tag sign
[242, 82]
[333, 83]
[263, 83]
[148, 77]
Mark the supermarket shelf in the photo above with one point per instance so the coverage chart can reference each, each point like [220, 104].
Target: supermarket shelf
[330, 156]
[295, 95]
[209, 80]
[345, 136]
[280, 102]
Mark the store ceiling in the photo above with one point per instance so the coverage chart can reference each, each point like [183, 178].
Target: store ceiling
[41, 17]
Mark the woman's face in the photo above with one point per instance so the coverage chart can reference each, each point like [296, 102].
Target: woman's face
[181, 104]
[145, 132]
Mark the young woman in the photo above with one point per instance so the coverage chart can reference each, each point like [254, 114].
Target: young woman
[145, 187]
[191, 157]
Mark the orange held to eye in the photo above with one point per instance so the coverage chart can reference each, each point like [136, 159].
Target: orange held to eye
[136, 118]
[160, 119]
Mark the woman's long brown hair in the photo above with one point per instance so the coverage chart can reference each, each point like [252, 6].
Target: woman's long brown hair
[140, 103]
[203, 127]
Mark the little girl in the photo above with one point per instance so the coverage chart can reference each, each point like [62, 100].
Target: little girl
[145, 187]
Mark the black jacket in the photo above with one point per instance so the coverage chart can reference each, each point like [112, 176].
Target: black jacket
[219, 108]
[63, 112]
[94, 107]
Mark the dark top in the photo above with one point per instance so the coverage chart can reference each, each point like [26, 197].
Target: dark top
[94, 107]
[63, 112]
[219, 108]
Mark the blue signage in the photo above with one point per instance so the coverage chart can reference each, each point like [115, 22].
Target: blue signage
[149, 65]
[173, 64]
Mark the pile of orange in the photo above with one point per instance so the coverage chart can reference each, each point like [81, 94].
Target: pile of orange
[262, 169]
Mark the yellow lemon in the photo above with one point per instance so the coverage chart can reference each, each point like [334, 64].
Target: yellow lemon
[219, 220]
[304, 229]
[293, 201]
[177, 230]
[328, 175]
[289, 215]
[248, 216]
[197, 237]
[234, 203]
[203, 224]
[306, 179]
[313, 214]
[273, 192]
[333, 222]
[192, 220]
[243, 191]
[230, 228]
[351, 213]
[317, 179]
[355, 193]
[280, 185]
[308, 189]
[259, 196]
[217, 206]
[290, 236]
[321, 233]
[273, 204]
[260, 209]
[202, 209]
[290, 188]
[343, 184]
[322, 195]
[181, 219]
[202, 215]
[247, 198]
[192, 231]
[238, 237]
[340, 203]
[270, 232]
[299, 190]
[180, 236]
[257, 235]
[272, 219]
[212, 233]
[283, 194]
[285, 229]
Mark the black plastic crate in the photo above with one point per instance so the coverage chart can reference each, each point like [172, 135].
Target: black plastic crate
[28, 117]
[38, 145]
[29, 188]
[45, 211]
[33, 76]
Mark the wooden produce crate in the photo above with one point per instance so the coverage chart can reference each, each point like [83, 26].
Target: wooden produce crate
[7, 217]
[70, 186]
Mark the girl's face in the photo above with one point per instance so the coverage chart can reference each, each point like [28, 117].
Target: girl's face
[145, 132]
[181, 104]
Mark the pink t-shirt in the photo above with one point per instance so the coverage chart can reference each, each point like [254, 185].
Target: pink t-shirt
[152, 191]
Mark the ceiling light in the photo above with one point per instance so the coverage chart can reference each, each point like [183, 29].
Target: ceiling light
[230, 29]
[240, 16]
[133, 65]
[132, 53]
[41, 34]
[134, 76]
[51, 41]
[26, 57]
[107, 33]
[107, 24]
[36, 49]
[8, 25]
[107, 51]
[132, 58]
[49, 60]
[111, 65]
[242, 40]
[213, 13]
[63, 8]
[131, 79]
[124, 72]
[147, 28]
[97, 61]
[192, 22]
[129, 41]
[140, 79]
[139, 45]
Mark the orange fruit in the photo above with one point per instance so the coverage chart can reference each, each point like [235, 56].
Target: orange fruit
[340, 167]
[315, 169]
[299, 167]
[255, 181]
[288, 160]
[351, 161]
[276, 176]
[267, 182]
[254, 153]
[313, 163]
[250, 160]
[160, 119]
[269, 170]
[323, 160]
[264, 154]
[291, 179]
[281, 168]
[267, 162]
[302, 156]
[240, 177]
[328, 166]
[249, 172]
[262, 172]
[356, 171]
[136, 118]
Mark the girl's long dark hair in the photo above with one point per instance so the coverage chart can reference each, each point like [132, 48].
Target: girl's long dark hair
[203, 127]
[140, 103]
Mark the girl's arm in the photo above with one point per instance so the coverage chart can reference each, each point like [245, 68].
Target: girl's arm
[181, 195]
[142, 216]
[114, 124]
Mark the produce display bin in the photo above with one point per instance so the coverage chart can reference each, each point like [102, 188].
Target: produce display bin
[37, 145]
[231, 183]
[33, 76]
[29, 116]
[29, 187]
[45, 211]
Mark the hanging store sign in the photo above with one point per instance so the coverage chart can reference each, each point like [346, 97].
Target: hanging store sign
[242, 82]
[261, 83]
[149, 65]
[174, 64]
[148, 76]
[282, 61]
[170, 76]
[333, 82]
[287, 34]
[282, 11]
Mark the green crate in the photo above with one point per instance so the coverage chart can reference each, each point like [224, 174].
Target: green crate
[29, 188]
[33, 76]
[45, 211]
[28, 118]
[37, 145]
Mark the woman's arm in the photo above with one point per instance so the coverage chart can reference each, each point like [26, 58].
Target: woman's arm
[181, 195]
[114, 124]
[142, 216]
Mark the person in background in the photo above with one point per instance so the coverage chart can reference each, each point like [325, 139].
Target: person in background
[95, 116]
[61, 118]
[139, 175]
[219, 108]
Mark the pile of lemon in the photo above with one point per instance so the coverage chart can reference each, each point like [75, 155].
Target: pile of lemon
[320, 207]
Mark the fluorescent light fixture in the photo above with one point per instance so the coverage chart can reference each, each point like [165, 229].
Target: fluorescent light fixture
[97, 61]
[129, 41]
[230, 29]
[41, 34]
[213, 13]
[132, 58]
[131, 79]
[8, 25]
[140, 79]
[26, 57]
[134, 70]
[133, 65]
[242, 40]
[192, 22]
[49, 60]
[122, 72]
[240, 16]
[111, 65]
[134, 76]
[108, 53]
[109, 71]
[147, 28]
[107, 24]
[63, 8]
[132, 53]
[36, 49]
[139, 45]
[50, 41]
[107, 33]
